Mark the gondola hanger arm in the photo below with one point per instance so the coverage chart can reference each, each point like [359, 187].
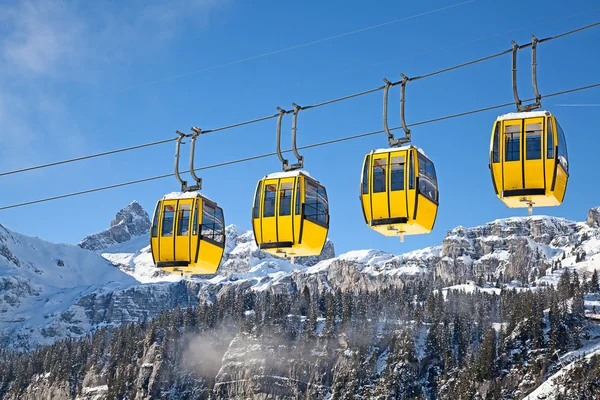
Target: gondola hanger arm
[197, 132]
[538, 97]
[285, 165]
[184, 186]
[391, 140]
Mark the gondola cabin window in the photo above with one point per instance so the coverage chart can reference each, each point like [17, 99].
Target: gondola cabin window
[513, 143]
[212, 226]
[411, 171]
[563, 157]
[195, 224]
[184, 219]
[427, 179]
[269, 205]
[550, 141]
[155, 222]
[257, 201]
[365, 179]
[379, 169]
[496, 144]
[298, 196]
[315, 205]
[397, 169]
[285, 195]
[167, 223]
[533, 141]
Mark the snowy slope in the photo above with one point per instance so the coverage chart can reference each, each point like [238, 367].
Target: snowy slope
[39, 280]
[134, 257]
[552, 388]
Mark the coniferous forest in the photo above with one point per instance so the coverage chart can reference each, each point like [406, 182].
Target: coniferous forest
[414, 342]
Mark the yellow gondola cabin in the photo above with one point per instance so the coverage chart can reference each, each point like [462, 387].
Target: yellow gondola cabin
[528, 160]
[399, 191]
[290, 215]
[187, 234]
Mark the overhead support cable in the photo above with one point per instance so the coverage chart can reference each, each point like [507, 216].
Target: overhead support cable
[328, 142]
[308, 107]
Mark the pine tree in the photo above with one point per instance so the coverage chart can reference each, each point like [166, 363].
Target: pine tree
[330, 314]
[595, 287]
[485, 362]
[311, 320]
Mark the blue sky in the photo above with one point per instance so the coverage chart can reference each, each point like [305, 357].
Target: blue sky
[83, 77]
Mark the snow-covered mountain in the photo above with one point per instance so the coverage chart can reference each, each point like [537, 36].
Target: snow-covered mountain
[523, 249]
[40, 281]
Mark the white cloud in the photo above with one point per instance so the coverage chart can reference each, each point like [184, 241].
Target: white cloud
[50, 47]
[41, 35]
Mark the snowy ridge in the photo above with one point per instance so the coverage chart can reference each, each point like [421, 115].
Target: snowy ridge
[40, 280]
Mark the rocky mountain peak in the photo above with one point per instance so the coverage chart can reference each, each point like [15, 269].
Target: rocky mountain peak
[135, 217]
[593, 218]
[130, 221]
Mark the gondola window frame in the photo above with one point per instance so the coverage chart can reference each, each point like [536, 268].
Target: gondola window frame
[496, 145]
[427, 178]
[286, 192]
[512, 143]
[256, 213]
[315, 202]
[380, 178]
[155, 220]
[562, 154]
[268, 203]
[411, 171]
[183, 219]
[298, 196]
[365, 176]
[399, 162]
[533, 140]
[164, 218]
[550, 140]
[212, 229]
[196, 208]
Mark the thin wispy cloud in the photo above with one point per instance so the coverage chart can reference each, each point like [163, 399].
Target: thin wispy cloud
[41, 36]
[48, 48]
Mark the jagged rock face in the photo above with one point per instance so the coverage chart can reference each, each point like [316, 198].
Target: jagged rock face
[513, 247]
[264, 368]
[120, 306]
[47, 390]
[347, 276]
[131, 221]
[593, 218]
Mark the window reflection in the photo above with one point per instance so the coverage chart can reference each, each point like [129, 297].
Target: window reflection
[512, 143]
[427, 178]
[212, 223]
[315, 205]
[168, 218]
[397, 170]
[379, 168]
[533, 141]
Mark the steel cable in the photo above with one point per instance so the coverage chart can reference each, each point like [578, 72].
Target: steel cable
[238, 161]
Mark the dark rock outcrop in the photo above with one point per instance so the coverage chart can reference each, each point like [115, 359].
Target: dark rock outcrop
[129, 222]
